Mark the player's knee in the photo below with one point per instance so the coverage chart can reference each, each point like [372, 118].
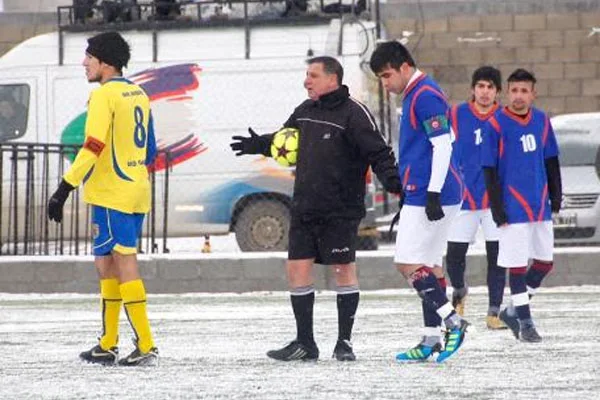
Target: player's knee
[345, 274]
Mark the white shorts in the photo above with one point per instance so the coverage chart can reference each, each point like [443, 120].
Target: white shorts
[465, 225]
[419, 240]
[520, 242]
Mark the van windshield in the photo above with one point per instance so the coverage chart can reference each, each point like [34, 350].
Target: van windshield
[577, 146]
[14, 105]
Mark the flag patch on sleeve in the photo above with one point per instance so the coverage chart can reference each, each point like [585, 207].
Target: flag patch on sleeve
[435, 124]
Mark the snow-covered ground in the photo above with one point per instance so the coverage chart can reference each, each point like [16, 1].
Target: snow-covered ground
[213, 347]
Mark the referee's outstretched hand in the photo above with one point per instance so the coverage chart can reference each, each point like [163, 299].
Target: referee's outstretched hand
[247, 145]
[57, 201]
[433, 208]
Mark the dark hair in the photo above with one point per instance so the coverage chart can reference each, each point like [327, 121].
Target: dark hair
[488, 74]
[330, 65]
[391, 53]
[522, 75]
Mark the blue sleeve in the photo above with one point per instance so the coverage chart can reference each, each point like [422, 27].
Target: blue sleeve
[432, 114]
[489, 145]
[151, 143]
[551, 146]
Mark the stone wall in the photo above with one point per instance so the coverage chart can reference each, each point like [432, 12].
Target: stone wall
[17, 27]
[34, 6]
[561, 45]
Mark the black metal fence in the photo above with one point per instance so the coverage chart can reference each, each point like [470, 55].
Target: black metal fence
[30, 174]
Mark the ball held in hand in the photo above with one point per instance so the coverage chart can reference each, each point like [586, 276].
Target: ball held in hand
[284, 146]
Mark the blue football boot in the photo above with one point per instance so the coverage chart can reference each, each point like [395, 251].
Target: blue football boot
[420, 352]
[455, 337]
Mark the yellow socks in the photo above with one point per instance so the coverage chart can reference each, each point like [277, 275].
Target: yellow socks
[111, 307]
[134, 299]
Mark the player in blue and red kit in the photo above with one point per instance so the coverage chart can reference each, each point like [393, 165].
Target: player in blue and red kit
[467, 120]
[433, 193]
[519, 155]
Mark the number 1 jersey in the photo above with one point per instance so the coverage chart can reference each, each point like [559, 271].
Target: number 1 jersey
[518, 148]
[468, 123]
[119, 144]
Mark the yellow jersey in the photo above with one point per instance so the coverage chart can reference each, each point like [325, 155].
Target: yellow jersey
[119, 144]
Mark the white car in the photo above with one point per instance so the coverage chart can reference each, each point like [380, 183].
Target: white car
[578, 138]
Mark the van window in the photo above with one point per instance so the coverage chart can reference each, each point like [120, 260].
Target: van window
[14, 106]
[577, 147]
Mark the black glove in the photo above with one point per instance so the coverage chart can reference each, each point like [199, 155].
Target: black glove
[433, 209]
[499, 216]
[393, 184]
[247, 145]
[57, 201]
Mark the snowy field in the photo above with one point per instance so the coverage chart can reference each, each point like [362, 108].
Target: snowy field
[213, 347]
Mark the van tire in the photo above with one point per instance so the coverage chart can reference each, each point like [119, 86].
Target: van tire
[263, 225]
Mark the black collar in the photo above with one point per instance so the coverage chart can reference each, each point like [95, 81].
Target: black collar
[333, 99]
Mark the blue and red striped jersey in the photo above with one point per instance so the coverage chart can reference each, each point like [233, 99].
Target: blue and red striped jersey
[425, 115]
[467, 124]
[518, 148]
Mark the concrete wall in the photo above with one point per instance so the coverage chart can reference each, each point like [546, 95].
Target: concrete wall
[554, 39]
[34, 6]
[251, 272]
[17, 27]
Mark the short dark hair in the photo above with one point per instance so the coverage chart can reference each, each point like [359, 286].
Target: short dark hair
[392, 53]
[487, 74]
[522, 75]
[330, 65]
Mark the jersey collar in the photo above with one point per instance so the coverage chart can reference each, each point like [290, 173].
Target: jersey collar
[417, 77]
[119, 79]
[480, 116]
[518, 119]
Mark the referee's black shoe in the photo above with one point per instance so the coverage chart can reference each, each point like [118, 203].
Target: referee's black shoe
[296, 351]
[343, 351]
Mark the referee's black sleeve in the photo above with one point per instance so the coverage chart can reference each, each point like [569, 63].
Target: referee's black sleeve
[374, 149]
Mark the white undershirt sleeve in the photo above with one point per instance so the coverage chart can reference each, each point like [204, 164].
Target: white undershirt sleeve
[440, 163]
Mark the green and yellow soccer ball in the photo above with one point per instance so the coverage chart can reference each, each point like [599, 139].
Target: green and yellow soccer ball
[284, 146]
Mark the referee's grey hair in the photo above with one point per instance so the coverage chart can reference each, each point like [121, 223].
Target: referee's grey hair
[330, 65]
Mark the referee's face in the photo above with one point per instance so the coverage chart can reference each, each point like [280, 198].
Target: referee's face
[318, 82]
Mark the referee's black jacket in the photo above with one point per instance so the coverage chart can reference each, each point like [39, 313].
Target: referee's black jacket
[338, 141]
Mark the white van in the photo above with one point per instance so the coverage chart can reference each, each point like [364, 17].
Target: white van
[206, 84]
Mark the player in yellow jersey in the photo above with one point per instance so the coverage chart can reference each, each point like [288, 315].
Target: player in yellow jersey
[112, 165]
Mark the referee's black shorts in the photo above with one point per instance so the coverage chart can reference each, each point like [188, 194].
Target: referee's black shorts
[328, 240]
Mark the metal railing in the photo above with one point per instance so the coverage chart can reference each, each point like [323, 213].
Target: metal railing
[144, 16]
[30, 174]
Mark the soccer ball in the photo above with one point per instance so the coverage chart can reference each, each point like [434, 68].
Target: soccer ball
[284, 147]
